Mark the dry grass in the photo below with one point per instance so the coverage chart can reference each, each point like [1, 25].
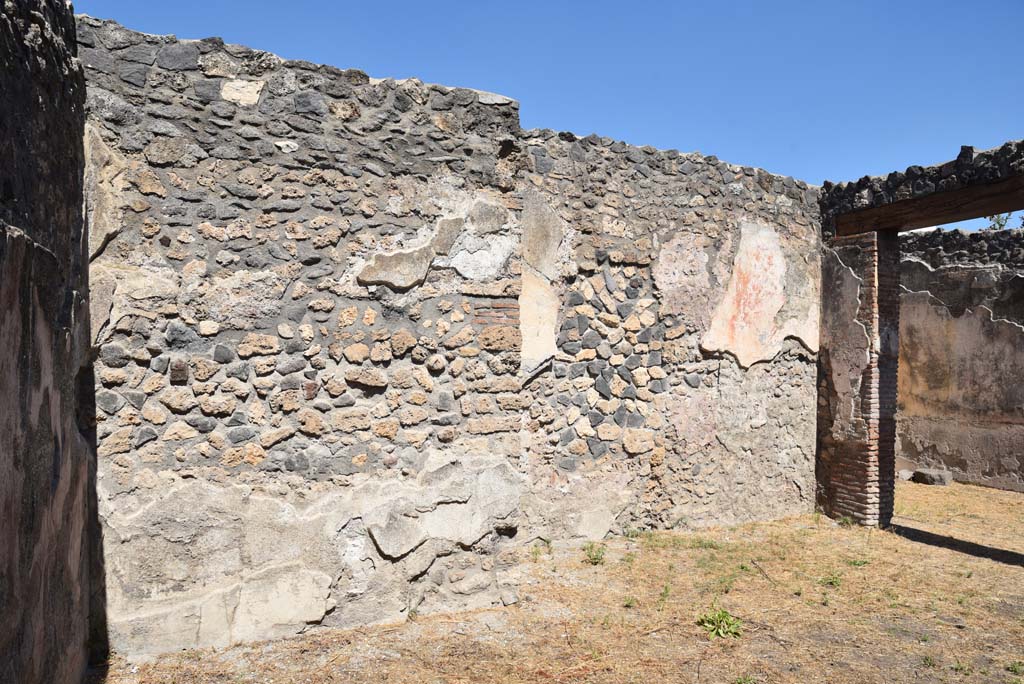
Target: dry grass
[819, 602]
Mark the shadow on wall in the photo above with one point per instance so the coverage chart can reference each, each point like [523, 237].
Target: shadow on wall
[98, 639]
[52, 607]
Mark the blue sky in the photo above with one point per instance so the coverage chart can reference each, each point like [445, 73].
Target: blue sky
[815, 90]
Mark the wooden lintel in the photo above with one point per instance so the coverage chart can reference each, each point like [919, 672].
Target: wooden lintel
[937, 209]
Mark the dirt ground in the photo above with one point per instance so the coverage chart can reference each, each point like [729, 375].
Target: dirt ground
[939, 598]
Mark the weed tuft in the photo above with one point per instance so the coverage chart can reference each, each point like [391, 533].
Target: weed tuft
[961, 668]
[543, 546]
[704, 543]
[593, 553]
[833, 579]
[720, 623]
[663, 596]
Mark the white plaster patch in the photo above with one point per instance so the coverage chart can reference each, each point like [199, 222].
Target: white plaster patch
[595, 523]
[245, 93]
[482, 258]
[274, 601]
[538, 320]
[399, 270]
[489, 98]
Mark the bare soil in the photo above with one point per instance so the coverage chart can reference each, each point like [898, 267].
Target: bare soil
[939, 598]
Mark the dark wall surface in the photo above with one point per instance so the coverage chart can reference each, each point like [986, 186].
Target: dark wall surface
[45, 458]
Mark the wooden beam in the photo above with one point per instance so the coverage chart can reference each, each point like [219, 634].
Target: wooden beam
[937, 209]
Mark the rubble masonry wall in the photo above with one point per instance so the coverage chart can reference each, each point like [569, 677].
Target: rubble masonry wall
[362, 341]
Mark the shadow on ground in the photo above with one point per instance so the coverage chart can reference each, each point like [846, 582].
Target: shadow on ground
[959, 545]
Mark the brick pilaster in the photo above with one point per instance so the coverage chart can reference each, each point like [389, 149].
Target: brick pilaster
[888, 303]
[856, 469]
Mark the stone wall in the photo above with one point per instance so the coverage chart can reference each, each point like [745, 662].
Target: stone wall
[361, 341]
[45, 450]
[961, 402]
[695, 285]
[940, 248]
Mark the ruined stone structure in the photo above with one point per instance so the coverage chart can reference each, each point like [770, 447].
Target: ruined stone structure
[961, 381]
[358, 342]
[860, 348]
[46, 456]
[360, 339]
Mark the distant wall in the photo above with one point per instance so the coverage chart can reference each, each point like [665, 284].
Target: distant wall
[361, 340]
[45, 452]
[961, 384]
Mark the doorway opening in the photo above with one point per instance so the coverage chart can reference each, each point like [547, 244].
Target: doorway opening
[861, 386]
